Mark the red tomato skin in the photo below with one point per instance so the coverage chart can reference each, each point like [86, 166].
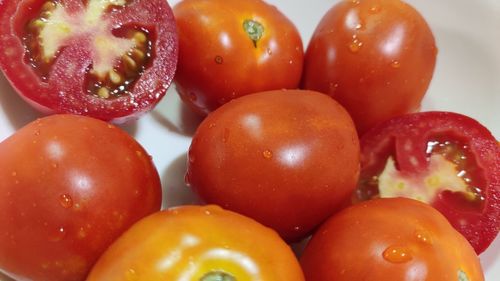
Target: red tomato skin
[416, 130]
[64, 91]
[355, 244]
[219, 62]
[69, 186]
[288, 159]
[376, 58]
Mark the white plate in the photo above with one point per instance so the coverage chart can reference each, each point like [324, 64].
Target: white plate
[467, 80]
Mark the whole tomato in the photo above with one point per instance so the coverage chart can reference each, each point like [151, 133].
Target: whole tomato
[228, 49]
[375, 57]
[69, 186]
[288, 159]
[389, 239]
[203, 243]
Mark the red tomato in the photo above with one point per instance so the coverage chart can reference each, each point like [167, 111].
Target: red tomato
[228, 49]
[288, 159]
[376, 58]
[69, 186]
[389, 239]
[442, 158]
[198, 243]
[111, 60]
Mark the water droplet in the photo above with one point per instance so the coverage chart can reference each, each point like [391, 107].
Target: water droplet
[66, 201]
[130, 275]
[355, 44]
[37, 132]
[225, 136]
[211, 125]
[290, 61]
[395, 64]
[424, 237]
[14, 173]
[207, 212]
[269, 51]
[333, 87]
[296, 228]
[355, 2]
[359, 26]
[54, 165]
[397, 254]
[57, 234]
[375, 9]
[218, 60]
[268, 154]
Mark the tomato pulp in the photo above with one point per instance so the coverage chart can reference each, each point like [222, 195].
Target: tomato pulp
[441, 158]
[112, 60]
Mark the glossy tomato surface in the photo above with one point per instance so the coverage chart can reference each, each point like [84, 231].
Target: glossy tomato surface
[445, 159]
[204, 243]
[389, 239]
[111, 60]
[69, 186]
[288, 159]
[228, 49]
[375, 57]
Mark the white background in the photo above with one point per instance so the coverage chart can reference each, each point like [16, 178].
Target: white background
[466, 80]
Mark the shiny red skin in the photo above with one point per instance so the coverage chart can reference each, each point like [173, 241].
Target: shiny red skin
[69, 186]
[288, 159]
[394, 136]
[213, 29]
[64, 90]
[356, 244]
[375, 57]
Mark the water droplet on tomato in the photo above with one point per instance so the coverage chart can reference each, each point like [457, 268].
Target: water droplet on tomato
[192, 97]
[14, 173]
[395, 64]
[57, 235]
[130, 275]
[268, 154]
[269, 51]
[211, 125]
[355, 44]
[375, 9]
[359, 26]
[424, 237]
[66, 201]
[397, 254]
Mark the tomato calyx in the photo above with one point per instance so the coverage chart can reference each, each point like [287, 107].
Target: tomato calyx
[254, 30]
[218, 275]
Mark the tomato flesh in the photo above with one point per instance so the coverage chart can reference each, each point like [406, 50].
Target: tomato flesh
[444, 159]
[110, 59]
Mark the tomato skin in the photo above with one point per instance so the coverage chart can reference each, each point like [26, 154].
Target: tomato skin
[389, 239]
[217, 59]
[64, 92]
[376, 58]
[410, 135]
[288, 159]
[200, 239]
[69, 186]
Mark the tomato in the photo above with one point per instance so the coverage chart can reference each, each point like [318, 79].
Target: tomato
[389, 239]
[69, 186]
[375, 57]
[441, 158]
[228, 49]
[204, 243]
[288, 159]
[109, 59]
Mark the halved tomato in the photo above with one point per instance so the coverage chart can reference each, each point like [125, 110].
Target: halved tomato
[109, 59]
[445, 159]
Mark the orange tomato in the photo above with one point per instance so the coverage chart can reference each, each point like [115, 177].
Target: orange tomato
[198, 243]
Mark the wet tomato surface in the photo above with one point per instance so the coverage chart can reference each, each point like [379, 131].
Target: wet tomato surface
[69, 186]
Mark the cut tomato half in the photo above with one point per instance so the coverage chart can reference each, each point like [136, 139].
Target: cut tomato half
[109, 59]
[445, 159]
